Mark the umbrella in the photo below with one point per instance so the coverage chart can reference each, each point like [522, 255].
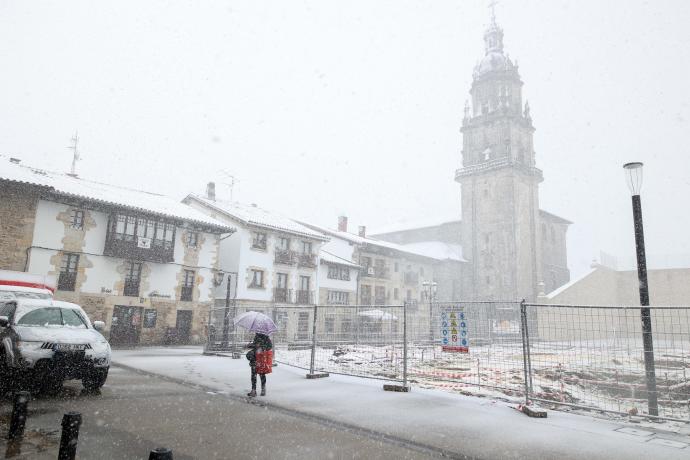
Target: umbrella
[255, 322]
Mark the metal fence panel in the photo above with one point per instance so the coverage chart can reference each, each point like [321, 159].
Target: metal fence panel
[592, 357]
[493, 363]
[361, 340]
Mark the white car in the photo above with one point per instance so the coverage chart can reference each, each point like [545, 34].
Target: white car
[44, 342]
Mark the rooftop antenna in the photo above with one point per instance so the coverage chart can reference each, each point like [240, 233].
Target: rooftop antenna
[231, 184]
[75, 153]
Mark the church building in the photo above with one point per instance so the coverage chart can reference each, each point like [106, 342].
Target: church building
[514, 250]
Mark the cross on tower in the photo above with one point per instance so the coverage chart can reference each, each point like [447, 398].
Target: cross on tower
[492, 5]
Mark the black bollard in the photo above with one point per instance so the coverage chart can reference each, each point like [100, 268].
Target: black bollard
[71, 422]
[161, 453]
[21, 401]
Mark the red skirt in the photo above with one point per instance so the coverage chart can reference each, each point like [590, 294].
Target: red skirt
[264, 362]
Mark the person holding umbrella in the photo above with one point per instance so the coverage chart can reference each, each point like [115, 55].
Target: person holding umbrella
[260, 354]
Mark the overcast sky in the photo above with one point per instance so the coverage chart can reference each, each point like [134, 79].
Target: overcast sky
[327, 107]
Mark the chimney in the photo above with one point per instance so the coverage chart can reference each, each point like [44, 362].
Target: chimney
[342, 223]
[211, 191]
[362, 231]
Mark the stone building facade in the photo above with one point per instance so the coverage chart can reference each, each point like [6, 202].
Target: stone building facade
[143, 263]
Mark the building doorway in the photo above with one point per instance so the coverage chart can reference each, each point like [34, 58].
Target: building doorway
[126, 325]
[183, 326]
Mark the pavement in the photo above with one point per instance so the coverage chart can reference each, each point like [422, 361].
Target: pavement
[135, 413]
[428, 422]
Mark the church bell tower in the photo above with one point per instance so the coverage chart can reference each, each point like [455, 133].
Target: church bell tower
[499, 181]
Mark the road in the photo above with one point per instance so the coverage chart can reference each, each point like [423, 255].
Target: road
[135, 413]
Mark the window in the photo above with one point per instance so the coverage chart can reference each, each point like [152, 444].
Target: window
[284, 243]
[282, 280]
[68, 272]
[132, 279]
[188, 286]
[365, 295]
[304, 282]
[257, 280]
[143, 231]
[409, 294]
[306, 247]
[338, 298]
[72, 319]
[77, 219]
[329, 323]
[41, 317]
[553, 235]
[337, 272]
[380, 295]
[259, 241]
[192, 239]
[396, 294]
[396, 267]
[488, 280]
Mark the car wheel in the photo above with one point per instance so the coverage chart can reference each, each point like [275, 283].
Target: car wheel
[95, 379]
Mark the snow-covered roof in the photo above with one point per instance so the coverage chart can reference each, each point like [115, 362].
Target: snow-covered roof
[73, 186]
[413, 224]
[569, 284]
[437, 250]
[364, 241]
[333, 259]
[554, 217]
[259, 217]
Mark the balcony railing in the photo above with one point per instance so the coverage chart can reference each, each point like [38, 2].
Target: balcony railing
[282, 295]
[285, 257]
[307, 260]
[186, 293]
[411, 278]
[67, 281]
[139, 249]
[131, 288]
[304, 297]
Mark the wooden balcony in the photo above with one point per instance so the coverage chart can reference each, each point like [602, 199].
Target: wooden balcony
[285, 257]
[304, 297]
[307, 260]
[132, 249]
[282, 295]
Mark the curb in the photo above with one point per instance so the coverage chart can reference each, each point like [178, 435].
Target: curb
[370, 433]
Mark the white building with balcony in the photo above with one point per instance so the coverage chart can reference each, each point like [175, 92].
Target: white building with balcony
[143, 263]
[272, 260]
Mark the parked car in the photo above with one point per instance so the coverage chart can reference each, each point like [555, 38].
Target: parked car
[44, 342]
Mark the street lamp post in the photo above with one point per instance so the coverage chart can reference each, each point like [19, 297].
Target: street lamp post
[430, 287]
[633, 175]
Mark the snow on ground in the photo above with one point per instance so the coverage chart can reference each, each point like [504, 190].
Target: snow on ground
[483, 427]
[604, 378]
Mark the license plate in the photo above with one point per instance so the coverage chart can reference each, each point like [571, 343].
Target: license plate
[69, 347]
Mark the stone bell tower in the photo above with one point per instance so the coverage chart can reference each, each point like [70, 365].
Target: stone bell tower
[499, 181]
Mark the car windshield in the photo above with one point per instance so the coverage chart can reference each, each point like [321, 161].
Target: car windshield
[52, 316]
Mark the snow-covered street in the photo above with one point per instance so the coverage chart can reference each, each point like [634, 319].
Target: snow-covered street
[447, 423]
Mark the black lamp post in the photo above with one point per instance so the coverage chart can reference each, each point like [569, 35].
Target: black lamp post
[633, 175]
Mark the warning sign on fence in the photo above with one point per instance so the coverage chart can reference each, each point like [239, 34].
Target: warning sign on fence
[454, 330]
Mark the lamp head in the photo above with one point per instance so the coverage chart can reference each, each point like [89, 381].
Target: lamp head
[633, 176]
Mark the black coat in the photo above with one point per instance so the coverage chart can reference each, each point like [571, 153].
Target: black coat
[260, 341]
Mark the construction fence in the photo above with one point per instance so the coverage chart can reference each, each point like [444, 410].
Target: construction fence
[561, 356]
